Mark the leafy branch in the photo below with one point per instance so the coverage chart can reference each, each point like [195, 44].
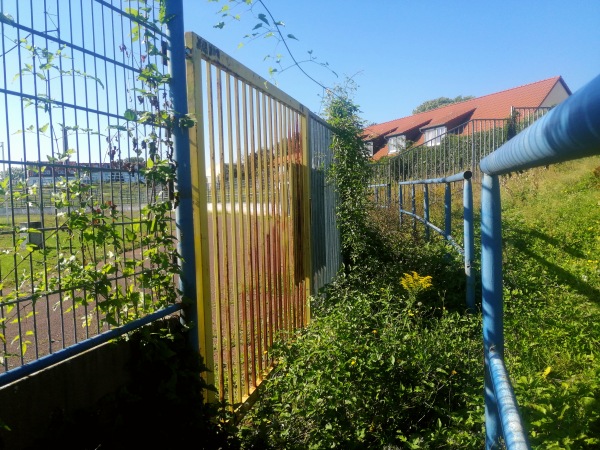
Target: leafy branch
[267, 27]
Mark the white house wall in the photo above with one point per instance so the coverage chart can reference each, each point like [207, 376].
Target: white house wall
[556, 95]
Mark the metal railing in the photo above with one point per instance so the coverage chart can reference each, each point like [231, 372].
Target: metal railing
[569, 131]
[265, 214]
[467, 250]
[459, 149]
[70, 89]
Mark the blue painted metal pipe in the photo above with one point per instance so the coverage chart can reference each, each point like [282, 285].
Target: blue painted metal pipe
[448, 210]
[184, 212]
[449, 179]
[400, 206]
[426, 210]
[491, 302]
[414, 207]
[513, 431]
[469, 242]
[74, 350]
[569, 131]
[436, 229]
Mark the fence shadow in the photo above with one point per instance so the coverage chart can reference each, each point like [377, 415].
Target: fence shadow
[522, 243]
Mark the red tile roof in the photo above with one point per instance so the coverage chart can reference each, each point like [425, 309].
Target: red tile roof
[491, 106]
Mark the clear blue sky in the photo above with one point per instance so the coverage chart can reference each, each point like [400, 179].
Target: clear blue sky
[403, 52]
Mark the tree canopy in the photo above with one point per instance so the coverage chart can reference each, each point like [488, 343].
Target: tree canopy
[439, 102]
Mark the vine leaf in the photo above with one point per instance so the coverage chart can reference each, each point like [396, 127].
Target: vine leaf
[263, 17]
[130, 114]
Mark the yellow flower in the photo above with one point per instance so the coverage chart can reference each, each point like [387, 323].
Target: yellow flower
[415, 283]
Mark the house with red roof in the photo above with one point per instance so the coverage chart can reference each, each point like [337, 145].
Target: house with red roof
[427, 128]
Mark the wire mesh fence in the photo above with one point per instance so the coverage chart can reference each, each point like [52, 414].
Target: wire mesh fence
[82, 210]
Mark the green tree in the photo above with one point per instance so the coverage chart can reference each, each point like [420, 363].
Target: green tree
[439, 102]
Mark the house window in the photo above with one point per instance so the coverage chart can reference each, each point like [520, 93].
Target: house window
[396, 143]
[369, 147]
[433, 136]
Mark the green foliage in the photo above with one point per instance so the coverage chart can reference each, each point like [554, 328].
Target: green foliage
[349, 173]
[384, 364]
[439, 102]
[391, 362]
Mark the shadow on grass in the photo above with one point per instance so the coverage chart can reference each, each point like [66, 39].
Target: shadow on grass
[522, 243]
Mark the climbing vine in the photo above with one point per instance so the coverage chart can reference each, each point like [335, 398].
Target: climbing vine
[107, 266]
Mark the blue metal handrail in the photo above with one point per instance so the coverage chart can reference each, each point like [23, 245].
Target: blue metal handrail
[468, 229]
[570, 131]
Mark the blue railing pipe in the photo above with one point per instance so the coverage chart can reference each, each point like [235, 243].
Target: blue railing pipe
[426, 209]
[184, 212]
[449, 179]
[448, 210]
[400, 203]
[469, 242]
[469, 250]
[491, 301]
[569, 131]
[514, 434]
[414, 208]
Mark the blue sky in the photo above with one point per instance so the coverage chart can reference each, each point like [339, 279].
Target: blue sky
[403, 52]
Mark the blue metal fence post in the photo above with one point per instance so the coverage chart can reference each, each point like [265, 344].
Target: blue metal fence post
[414, 208]
[469, 242]
[184, 212]
[426, 209]
[448, 210]
[491, 302]
[400, 205]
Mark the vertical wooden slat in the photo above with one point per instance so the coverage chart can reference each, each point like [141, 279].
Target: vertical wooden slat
[241, 126]
[216, 265]
[285, 162]
[261, 237]
[200, 216]
[273, 231]
[306, 216]
[232, 215]
[255, 287]
[265, 231]
[223, 246]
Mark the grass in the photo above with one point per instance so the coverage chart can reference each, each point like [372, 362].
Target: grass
[385, 366]
[552, 301]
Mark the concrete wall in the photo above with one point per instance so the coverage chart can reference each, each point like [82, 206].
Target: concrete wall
[33, 406]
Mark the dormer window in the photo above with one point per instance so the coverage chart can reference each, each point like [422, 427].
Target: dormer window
[433, 136]
[396, 143]
[369, 147]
